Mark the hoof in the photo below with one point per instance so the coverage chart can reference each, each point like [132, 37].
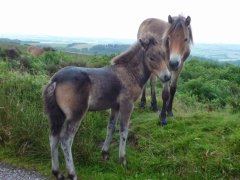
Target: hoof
[58, 175]
[142, 105]
[170, 113]
[105, 155]
[162, 123]
[154, 107]
[124, 161]
[72, 177]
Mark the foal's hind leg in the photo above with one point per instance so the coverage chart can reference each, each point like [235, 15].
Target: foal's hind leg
[110, 130]
[67, 137]
[54, 142]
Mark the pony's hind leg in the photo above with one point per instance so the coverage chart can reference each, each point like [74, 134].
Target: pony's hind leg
[110, 130]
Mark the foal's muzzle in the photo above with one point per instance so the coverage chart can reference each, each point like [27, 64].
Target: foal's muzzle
[165, 76]
[175, 61]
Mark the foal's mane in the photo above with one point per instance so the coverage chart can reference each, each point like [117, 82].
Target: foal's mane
[179, 21]
[128, 55]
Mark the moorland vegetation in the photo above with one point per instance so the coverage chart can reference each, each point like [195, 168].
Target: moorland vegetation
[202, 140]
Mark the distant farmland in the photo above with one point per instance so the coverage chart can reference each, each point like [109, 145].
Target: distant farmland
[85, 45]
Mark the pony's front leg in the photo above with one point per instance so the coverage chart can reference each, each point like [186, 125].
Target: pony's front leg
[153, 93]
[173, 87]
[110, 130]
[143, 98]
[165, 97]
[170, 103]
[125, 111]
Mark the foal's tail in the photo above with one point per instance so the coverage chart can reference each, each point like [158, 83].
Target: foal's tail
[51, 108]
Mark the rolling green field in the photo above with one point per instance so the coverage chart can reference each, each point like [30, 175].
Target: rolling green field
[81, 46]
[202, 140]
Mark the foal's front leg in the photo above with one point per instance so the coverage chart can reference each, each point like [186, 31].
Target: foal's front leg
[110, 130]
[125, 113]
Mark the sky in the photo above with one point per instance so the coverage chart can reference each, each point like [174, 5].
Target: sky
[211, 21]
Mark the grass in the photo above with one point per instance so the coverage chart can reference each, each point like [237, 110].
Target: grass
[198, 142]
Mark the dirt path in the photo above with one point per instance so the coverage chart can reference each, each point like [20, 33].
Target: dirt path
[9, 173]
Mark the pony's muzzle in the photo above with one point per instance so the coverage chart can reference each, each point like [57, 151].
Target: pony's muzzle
[175, 61]
[165, 76]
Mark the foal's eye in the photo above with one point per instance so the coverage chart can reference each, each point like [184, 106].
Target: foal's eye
[151, 59]
[168, 39]
[186, 39]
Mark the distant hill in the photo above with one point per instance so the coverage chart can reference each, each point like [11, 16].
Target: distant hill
[223, 53]
[16, 41]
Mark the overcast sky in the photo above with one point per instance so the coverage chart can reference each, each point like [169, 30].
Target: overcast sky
[212, 21]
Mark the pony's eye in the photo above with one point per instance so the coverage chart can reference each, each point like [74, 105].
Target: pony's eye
[168, 39]
[186, 39]
[151, 59]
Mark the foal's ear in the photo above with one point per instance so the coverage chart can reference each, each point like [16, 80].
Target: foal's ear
[144, 43]
[188, 20]
[170, 19]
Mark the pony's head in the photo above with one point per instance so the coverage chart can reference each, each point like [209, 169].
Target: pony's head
[178, 38]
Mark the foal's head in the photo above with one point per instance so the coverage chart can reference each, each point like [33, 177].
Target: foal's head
[155, 57]
[178, 38]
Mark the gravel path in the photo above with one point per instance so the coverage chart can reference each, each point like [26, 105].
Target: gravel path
[9, 173]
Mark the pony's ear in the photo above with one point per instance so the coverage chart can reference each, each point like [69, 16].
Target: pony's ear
[144, 43]
[188, 20]
[170, 19]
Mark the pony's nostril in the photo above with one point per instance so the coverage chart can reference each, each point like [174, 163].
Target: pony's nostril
[174, 63]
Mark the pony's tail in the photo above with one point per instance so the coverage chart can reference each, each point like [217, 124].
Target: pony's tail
[51, 108]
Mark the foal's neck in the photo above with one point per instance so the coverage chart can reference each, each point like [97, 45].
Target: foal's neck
[139, 68]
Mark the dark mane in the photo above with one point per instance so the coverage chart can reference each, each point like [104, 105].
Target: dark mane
[128, 55]
[179, 21]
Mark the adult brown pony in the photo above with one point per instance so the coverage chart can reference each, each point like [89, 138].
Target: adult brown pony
[37, 51]
[73, 91]
[176, 35]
